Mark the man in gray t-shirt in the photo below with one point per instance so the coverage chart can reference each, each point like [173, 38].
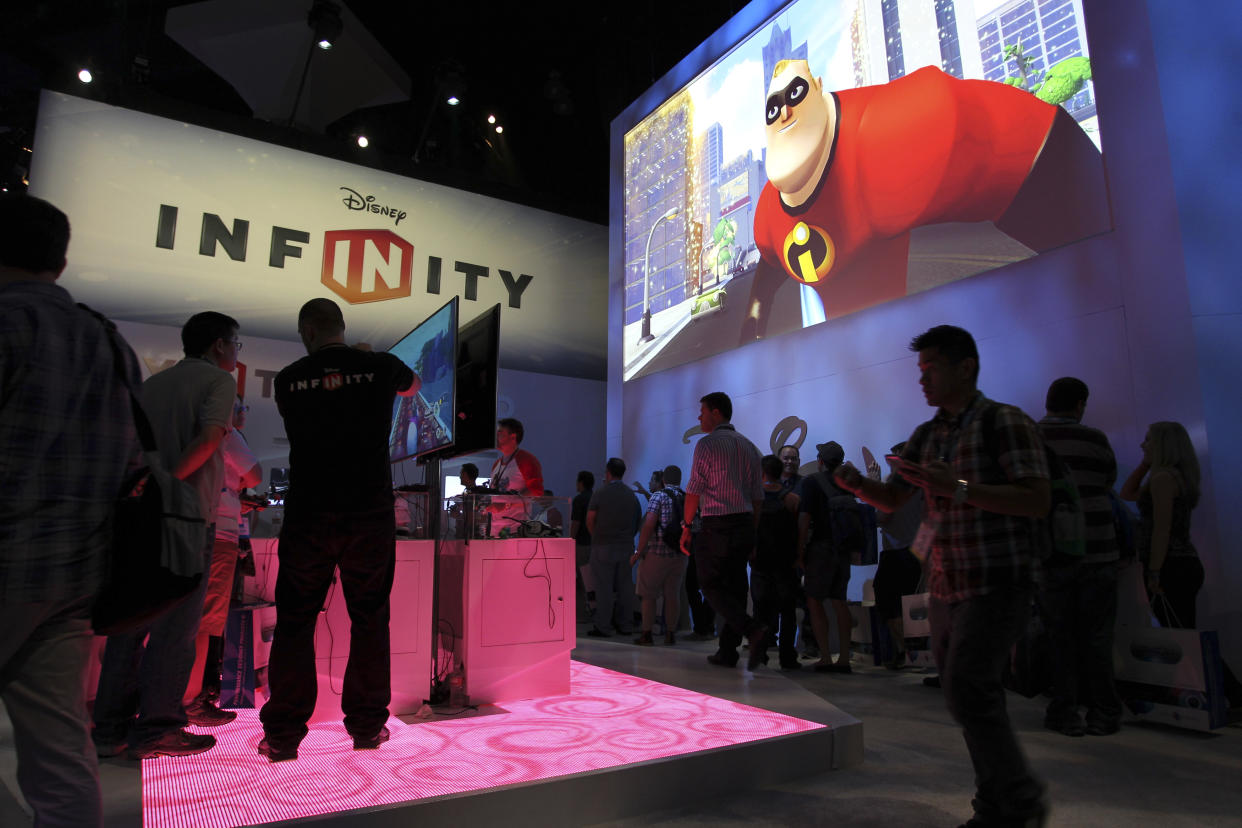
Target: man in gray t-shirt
[613, 516]
[189, 406]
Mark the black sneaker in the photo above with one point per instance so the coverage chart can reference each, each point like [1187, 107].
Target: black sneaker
[277, 754]
[596, 632]
[722, 659]
[173, 743]
[372, 742]
[202, 713]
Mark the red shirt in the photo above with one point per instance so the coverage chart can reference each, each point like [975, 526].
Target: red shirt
[923, 149]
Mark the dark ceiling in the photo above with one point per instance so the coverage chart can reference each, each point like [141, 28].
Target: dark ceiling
[555, 74]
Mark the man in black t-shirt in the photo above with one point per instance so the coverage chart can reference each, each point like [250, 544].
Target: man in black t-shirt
[337, 407]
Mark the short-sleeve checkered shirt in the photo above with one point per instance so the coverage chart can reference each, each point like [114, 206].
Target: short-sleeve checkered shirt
[975, 551]
[662, 504]
[66, 438]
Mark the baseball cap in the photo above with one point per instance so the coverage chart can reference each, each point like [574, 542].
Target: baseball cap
[830, 452]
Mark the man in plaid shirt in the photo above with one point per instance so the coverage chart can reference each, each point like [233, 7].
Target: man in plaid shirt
[984, 475]
[66, 438]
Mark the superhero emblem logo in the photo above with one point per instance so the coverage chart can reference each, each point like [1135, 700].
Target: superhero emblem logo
[808, 253]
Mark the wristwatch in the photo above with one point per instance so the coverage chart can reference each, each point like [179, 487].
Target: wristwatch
[961, 492]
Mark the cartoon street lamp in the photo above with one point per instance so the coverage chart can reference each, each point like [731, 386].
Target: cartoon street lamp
[646, 331]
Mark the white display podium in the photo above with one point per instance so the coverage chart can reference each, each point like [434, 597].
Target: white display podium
[507, 615]
[409, 627]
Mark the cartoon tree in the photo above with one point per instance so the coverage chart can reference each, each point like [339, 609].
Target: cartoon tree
[1062, 81]
[723, 235]
[1023, 64]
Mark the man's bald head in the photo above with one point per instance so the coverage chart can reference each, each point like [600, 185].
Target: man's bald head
[319, 323]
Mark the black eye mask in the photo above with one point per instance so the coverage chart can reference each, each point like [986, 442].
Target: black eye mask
[792, 95]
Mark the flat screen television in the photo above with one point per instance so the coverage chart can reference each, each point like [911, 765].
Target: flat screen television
[424, 422]
[478, 357]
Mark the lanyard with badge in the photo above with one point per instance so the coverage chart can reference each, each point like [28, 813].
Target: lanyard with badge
[932, 518]
[500, 479]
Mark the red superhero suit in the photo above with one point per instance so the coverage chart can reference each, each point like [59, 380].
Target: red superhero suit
[926, 149]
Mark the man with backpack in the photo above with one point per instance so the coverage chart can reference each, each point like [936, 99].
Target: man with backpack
[1079, 595]
[829, 527]
[661, 563]
[984, 473]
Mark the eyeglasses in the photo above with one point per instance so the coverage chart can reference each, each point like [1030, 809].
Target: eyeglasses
[236, 343]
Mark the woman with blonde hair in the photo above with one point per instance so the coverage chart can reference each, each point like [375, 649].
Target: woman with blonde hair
[1165, 499]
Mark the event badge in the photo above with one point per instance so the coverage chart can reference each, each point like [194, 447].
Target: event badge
[923, 540]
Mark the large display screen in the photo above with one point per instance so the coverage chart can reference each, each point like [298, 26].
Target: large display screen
[848, 153]
[423, 423]
[478, 360]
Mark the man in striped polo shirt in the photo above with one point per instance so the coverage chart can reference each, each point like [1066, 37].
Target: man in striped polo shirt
[1080, 594]
[726, 487]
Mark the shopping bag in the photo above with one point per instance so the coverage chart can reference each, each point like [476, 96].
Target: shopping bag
[914, 618]
[1171, 676]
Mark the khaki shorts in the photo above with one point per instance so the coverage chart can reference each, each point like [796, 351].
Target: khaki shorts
[219, 587]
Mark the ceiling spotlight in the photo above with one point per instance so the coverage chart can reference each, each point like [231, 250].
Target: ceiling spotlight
[453, 100]
[325, 20]
[499, 129]
[491, 119]
[85, 75]
[363, 142]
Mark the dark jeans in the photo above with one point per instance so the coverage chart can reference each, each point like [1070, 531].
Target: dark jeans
[775, 593]
[363, 547]
[1181, 578]
[150, 679]
[898, 574]
[1079, 603]
[725, 544]
[614, 582]
[971, 641]
[702, 616]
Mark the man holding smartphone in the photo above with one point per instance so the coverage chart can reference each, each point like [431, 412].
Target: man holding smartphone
[984, 476]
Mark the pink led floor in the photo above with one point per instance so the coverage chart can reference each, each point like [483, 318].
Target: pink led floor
[607, 720]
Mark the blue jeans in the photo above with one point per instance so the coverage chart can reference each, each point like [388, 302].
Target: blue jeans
[150, 680]
[971, 641]
[43, 655]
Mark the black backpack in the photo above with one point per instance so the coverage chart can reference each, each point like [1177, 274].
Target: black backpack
[671, 533]
[851, 525]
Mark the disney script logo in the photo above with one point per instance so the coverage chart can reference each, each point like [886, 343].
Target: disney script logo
[355, 200]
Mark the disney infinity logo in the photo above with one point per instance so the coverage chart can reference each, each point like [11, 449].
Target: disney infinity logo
[355, 200]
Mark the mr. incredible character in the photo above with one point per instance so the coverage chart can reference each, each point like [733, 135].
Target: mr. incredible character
[852, 173]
